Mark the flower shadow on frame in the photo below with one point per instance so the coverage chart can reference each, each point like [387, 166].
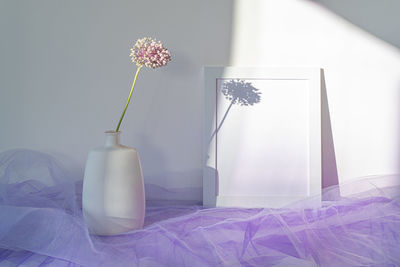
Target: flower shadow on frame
[239, 92]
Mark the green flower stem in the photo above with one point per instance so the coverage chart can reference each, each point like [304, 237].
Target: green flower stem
[129, 98]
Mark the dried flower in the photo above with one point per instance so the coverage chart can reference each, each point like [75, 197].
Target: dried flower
[150, 53]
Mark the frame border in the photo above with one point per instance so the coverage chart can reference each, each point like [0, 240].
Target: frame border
[211, 196]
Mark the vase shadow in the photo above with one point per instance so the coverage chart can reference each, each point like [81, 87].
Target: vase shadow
[210, 186]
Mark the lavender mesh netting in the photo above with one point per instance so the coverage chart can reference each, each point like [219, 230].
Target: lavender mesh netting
[41, 225]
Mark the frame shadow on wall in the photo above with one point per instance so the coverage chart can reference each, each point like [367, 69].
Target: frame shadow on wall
[328, 160]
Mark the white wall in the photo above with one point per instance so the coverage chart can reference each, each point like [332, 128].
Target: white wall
[66, 74]
[362, 72]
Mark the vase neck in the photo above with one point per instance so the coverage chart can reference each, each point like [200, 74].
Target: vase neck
[112, 138]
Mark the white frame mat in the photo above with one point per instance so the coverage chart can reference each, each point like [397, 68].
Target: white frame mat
[262, 136]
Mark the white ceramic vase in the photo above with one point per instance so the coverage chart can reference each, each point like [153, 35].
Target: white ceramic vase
[113, 199]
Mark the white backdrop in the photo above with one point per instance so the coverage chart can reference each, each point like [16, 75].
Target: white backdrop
[65, 75]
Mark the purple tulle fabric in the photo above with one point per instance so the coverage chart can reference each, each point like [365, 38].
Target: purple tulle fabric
[41, 225]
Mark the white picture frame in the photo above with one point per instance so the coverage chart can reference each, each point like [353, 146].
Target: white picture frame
[262, 136]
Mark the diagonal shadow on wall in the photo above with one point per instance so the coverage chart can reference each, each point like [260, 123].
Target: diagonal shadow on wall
[379, 18]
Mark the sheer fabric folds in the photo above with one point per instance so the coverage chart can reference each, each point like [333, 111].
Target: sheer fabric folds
[41, 224]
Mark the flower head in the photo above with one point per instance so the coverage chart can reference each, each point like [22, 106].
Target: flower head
[149, 52]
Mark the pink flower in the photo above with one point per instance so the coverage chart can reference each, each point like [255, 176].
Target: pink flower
[146, 52]
[150, 53]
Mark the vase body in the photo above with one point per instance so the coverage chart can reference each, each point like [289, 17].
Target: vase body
[113, 198]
